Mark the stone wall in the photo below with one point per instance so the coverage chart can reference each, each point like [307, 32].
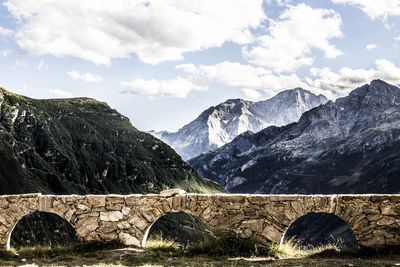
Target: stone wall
[375, 219]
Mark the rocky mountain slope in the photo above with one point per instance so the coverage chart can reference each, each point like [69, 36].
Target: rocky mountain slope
[81, 146]
[219, 125]
[351, 145]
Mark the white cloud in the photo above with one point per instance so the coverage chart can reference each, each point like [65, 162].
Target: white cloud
[258, 82]
[86, 77]
[226, 73]
[42, 65]
[178, 87]
[19, 64]
[291, 38]
[255, 82]
[252, 94]
[374, 8]
[370, 46]
[397, 38]
[346, 79]
[58, 93]
[388, 71]
[5, 53]
[279, 2]
[155, 31]
[4, 32]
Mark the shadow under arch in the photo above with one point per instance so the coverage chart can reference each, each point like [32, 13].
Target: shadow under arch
[316, 229]
[181, 227]
[40, 228]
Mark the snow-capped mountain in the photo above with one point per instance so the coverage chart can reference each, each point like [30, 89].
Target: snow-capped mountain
[351, 145]
[219, 125]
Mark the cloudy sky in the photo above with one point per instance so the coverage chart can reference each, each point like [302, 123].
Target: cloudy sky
[162, 62]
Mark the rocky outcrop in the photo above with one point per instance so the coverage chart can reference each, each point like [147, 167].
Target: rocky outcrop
[375, 219]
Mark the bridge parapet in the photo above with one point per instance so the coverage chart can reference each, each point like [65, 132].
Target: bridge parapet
[375, 219]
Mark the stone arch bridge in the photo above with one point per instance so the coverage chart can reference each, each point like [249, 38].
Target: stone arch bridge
[374, 219]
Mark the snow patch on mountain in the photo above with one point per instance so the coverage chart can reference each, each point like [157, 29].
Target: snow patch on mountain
[234, 182]
[248, 164]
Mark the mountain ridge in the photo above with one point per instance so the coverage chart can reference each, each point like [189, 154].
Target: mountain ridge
[220, 124]
[334, 148]
[81, 146]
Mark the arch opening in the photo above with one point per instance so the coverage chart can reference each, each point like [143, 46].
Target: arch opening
[320, 229]
[179, 229]
[42, 229]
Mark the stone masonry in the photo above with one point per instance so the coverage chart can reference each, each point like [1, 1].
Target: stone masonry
[375, 219]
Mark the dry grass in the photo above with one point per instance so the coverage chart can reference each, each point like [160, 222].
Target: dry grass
[159, 243]
[292, 249]
[110, 255]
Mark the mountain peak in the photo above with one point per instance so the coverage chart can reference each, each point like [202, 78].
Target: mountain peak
[234, 100]
[78, 101]
[297, 89]
[373, 86]
[5, 92]
[70, 100]
[382, 88]
[348, 146]
[379, 82]
[222, 123]
[299, 92]
[378, 92]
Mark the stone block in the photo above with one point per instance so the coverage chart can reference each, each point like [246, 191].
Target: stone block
[123, 225]
[253, 225]
[108, 236]
[386, 221]
[138, 222]
[69, 214]
[125, 210]
[5, 220]
[250, 212]
[129, 240]
[206, 215]
[297, 207]
[4, 204]
[390, 210]
[80, 206]
[272, 234]
[111, 216]
[148, 216]
[234, 199]
[177, 203]
[88, 226]
[166, 205]
[93, 236]
[372, 218]
[96, 202]
[132, 201]
[372, 211]
[107, 227]
[114, 207]
[290, 214]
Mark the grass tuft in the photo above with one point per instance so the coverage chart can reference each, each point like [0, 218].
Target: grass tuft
[292, 249]
[159, 243]
[47, 251]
